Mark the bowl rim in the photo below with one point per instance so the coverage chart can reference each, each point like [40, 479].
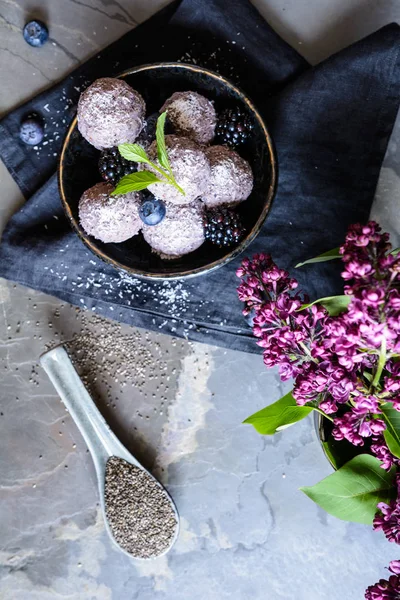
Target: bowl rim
[212, 266]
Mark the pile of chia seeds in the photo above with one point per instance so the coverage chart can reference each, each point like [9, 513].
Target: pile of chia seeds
[138, 510]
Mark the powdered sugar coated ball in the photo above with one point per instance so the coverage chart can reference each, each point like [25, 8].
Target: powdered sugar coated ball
[190, 168]
[109, 218]
[192, 115]
[231, 179]
[180, 232]
[110, 112]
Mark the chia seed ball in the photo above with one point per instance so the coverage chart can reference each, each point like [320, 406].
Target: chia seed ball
[109, 218]
[191, 115]
[180, 232]
[110, 112]
[231, 178]
[189, 165]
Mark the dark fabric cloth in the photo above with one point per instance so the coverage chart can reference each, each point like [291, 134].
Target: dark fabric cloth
[331, 125]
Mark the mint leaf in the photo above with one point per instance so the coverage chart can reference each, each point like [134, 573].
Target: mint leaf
[330, 255]
[354, 490]
[278, 416]
[133, 152]
[333, 304]
[161, 147]
[395, 252]
[135, 182]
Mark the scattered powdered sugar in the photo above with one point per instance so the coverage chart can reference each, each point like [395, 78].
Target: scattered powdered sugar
[172, 302]
[192, 115]
[138, 510]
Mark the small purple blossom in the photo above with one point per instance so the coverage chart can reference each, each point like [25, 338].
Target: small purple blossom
[386, 589]
[357, 424]
[381, 451]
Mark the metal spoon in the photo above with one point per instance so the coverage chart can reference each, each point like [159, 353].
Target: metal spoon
[97, 434]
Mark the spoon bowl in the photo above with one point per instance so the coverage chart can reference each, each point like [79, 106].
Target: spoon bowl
[101, 441]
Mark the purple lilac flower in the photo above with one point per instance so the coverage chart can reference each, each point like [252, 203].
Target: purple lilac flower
[357, 424]
[373, 282]
[282, 330]
[386, 589]
[331, 357]
[381, 451]
[387, 518]
[337, 361]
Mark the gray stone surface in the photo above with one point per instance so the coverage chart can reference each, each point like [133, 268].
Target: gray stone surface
[247, 532]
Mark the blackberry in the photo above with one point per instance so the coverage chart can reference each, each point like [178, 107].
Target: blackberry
[222, 226]
[233, 128]
[113, 166]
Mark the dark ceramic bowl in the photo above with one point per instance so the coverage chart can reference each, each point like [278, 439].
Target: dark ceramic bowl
[78, 171]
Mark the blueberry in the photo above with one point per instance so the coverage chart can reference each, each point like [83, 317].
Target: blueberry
[36, 33]
[152, 211]
[31, 130]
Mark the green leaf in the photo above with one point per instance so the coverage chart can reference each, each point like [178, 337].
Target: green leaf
[135, 182]
[392, 434]
[161, 147]
[368, 376]
[133, 152]
[352, 492]
[333, 304]
[330, 255]
[278, 416]
[395, 252]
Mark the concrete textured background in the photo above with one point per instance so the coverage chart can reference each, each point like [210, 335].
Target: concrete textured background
[247, 532]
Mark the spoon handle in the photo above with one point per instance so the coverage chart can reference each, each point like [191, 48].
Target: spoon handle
[98, 436]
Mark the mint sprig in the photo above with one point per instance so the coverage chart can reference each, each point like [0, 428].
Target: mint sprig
[142, 179]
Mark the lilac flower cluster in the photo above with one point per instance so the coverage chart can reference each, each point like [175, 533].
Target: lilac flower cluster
[334, 360]
[386, 589]
[387, 519]
[345, 365]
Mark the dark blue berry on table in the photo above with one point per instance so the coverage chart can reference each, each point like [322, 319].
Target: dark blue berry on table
[31, 130]
[36, 33]
[152, 211]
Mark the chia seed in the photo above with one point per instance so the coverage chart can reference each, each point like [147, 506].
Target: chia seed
[139, 512]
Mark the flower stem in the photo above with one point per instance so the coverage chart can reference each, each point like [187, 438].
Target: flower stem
[321, 412]
[381, 363]
[307, 351]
